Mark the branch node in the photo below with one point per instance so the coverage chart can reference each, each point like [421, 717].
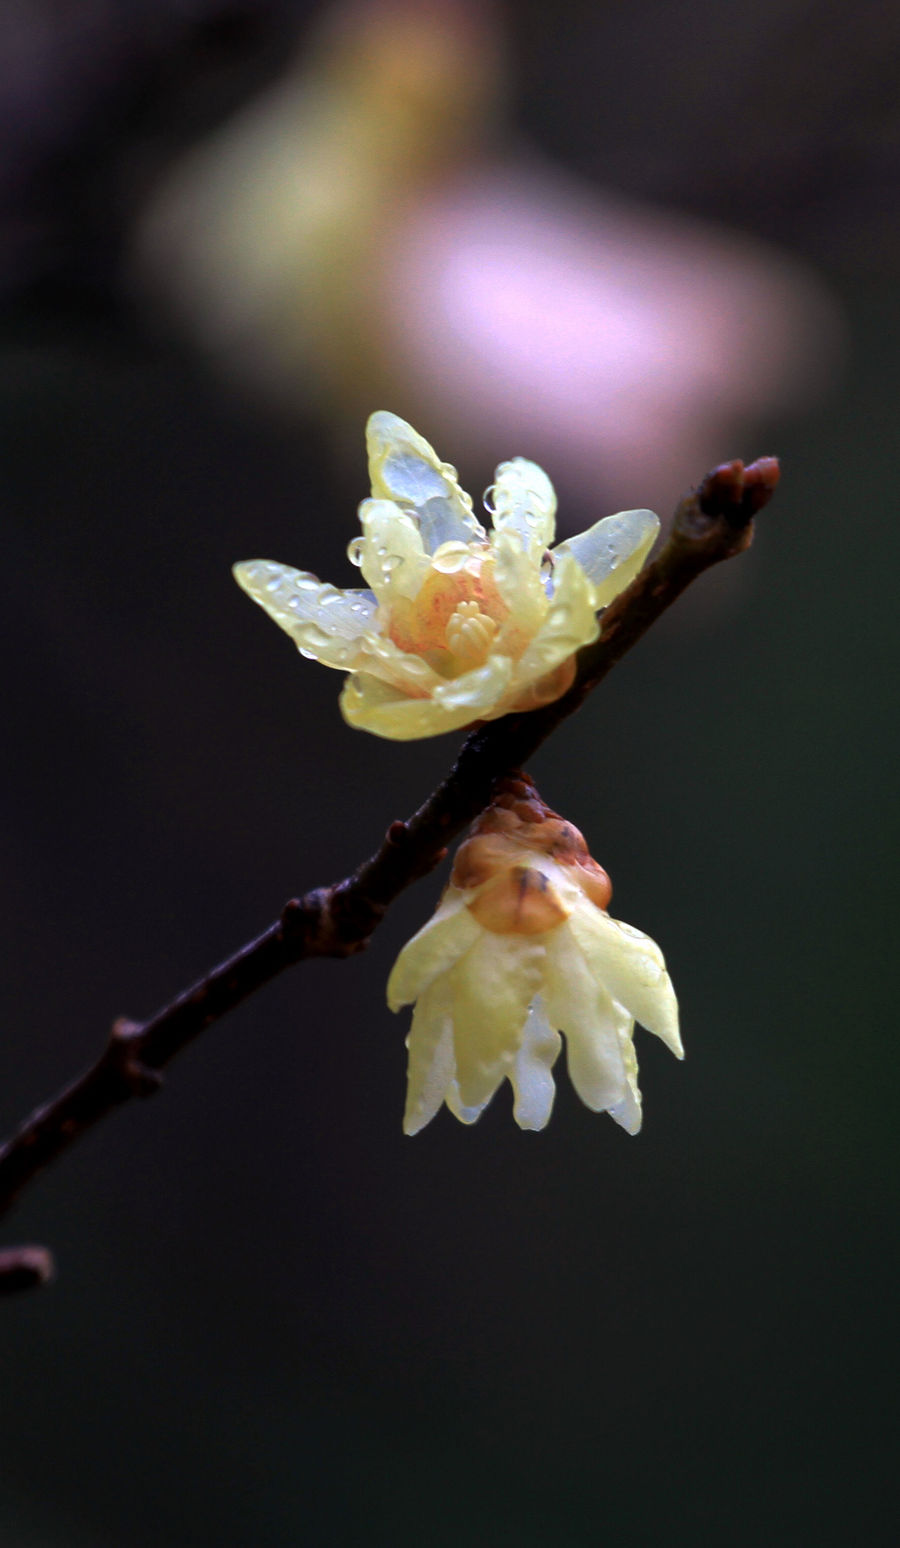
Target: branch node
[124, 1052]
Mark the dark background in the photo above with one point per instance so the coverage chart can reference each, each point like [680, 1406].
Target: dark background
[277, 1320]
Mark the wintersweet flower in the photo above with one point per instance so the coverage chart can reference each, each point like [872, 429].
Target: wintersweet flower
[456, 624]
[520, 949]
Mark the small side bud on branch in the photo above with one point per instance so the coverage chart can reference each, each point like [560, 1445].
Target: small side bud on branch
[737, 492]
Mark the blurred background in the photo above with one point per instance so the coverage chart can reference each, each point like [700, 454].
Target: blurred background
[628, 242]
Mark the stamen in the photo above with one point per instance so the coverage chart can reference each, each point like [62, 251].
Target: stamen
[470, 632]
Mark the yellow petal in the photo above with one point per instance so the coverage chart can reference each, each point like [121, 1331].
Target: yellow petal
[577, 1004]
[430, 1068]
[627, 1113]
[433, 950]
[390, 552]
[524, 502]
[517, 576]
[493, 987]
[402, 669]
[478, 692]
[370, 704]
[454, 1101]
[570, 622]
[403, 467]
[322, 621]
[612, 551]
[631, 967]
[530, 1076]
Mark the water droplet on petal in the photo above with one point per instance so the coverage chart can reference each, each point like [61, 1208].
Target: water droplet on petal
[356, 551]
[450, 558]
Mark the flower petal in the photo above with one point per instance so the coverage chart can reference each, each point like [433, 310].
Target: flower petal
[370, 704]
[464, 1114]
[430, 1068]
[478, 692]
[524, 502]
[435, 949]
[627, 1113]
[390, 553]
[400, 668]
[633, 970]
[530, 1076]
[613, 550]
[403, 467]
[322, 621]
[570, 622]
[517, 577]
[493, 987]
[581, 1008]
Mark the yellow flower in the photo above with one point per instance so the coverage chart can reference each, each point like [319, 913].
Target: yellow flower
[457, 624]
[521, 945]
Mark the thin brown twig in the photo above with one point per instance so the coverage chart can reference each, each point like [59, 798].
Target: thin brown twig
[713, 523]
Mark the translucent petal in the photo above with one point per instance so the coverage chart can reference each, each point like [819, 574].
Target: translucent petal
[570, 622]
[391, 555]
[433, 951]
[631, 967]
[321, 620]
[400, 668]
[403, 467]
[524, 501]
[430, 1068]
[517, 576]
[493, 987]
[464, 1114]
[627, 1113]
[477, 692]
[582, 1009]
[613, 550]
[370, 704]
[531, 1077]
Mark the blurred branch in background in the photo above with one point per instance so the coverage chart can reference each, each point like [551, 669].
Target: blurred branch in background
[712, 524]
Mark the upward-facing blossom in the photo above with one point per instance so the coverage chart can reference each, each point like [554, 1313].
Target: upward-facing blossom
[522, 948]
[456, 624]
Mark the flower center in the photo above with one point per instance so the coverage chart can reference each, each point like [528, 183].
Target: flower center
[456, 616]
[470, 633]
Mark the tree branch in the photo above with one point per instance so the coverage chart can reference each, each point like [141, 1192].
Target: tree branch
[713, 523]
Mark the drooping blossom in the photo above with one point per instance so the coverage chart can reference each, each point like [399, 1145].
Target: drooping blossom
[455, 624]
[521, 949]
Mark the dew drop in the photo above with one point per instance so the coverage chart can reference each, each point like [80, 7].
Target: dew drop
[356, 551]
[314, 638]
[450, 558]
